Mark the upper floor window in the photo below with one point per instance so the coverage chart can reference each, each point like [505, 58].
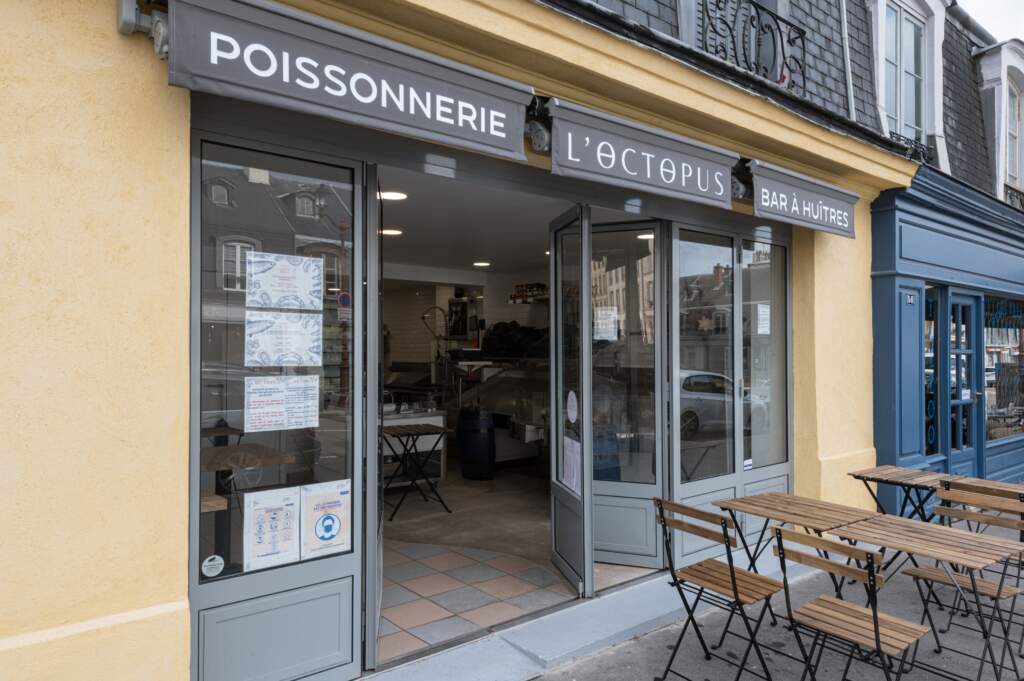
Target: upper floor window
[233, 256]
[305, 206]
[904, 71]
[1014, 145]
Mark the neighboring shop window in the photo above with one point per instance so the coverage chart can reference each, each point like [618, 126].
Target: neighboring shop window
[624, 376]
[931, 370]
[904, 71]
[706, 374]
[765, 360]
[275, 456]
[1004, 388]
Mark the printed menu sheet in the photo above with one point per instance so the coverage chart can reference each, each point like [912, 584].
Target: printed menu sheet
[285, 281]
[281, 339]
[572, 465]
[326, 526]
[270, 528]
[281, 402]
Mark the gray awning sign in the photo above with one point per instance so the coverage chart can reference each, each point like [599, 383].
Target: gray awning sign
[595, 146]
[784, 195]
[265, 53]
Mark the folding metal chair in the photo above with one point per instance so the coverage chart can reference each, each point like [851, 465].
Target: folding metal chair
[851, 628]
[715, 582]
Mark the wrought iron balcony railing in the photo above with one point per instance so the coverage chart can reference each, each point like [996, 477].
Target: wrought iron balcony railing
[916, 149]
[755, 39]
[1014, 197]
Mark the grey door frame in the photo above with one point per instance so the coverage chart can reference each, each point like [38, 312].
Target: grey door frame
[975, 454]
[581, 506]
[235, 589]
[634, 494]
[776, 477]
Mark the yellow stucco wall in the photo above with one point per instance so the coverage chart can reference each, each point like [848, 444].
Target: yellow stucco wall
[94, 398]
[94, 291]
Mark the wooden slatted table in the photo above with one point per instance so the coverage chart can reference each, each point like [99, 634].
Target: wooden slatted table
[968, 553]
[411, 459]
[918, 486]
[814, 514]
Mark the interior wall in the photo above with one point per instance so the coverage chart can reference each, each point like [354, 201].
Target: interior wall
[498, 309]
[410, 340]
[94, 399]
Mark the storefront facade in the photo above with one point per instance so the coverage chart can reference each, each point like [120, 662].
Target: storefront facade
[198, 603]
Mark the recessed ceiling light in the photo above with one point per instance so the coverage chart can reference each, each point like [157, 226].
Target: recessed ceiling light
[391, 231]
[334, 290]
[482, 263]
[547, 252]
[392, 196]
[645, 235]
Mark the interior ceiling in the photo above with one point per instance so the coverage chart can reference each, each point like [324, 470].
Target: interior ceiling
[454, 223]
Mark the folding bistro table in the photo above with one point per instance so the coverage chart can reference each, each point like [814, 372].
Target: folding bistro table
[413, 462]
[960, 554]
[918, 486]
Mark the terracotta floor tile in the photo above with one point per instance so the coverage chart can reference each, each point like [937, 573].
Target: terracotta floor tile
[415, 613]
[492, 614]
[510, 563]
[431, 585]
[505, 587]
[394, 558]
[394, 645]
[444, 562]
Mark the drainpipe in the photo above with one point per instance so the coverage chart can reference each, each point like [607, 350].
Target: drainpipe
[851, 103]
[131, 19]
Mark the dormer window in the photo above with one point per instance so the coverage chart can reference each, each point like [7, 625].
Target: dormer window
[219, 194]
[904, 72]
[1014, 145]
[305, 206]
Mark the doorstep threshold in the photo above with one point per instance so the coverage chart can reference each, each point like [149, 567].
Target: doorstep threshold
[529, 649]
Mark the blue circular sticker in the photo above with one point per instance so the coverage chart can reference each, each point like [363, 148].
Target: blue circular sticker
[327, 527]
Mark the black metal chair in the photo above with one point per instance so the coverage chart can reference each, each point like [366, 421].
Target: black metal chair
[716, 582]
[851, 628]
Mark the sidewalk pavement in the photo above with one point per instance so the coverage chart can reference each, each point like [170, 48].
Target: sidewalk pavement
[644, 658]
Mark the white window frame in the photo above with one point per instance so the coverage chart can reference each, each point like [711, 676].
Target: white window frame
[305, 196]
[932, 14]
[1015, 134]
[239, 244]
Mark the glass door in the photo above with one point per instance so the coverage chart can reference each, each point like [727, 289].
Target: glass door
[965, 389]
[729, 372]
[628, 389]
[571, 474]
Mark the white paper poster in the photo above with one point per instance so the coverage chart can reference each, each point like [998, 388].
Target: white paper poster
[283, 339]
[764, 319]
[571, 407]
[326, 526]
[606, 323]
[281, 402]
[572, 464]
[270, 528]
[287, 281]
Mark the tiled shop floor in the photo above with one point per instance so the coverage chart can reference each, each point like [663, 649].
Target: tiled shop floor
[435, 594]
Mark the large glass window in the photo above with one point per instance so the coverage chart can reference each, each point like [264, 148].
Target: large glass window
[904, 72]
[765, 363]
[1004, 348]
[624, 374]
[570, 363]
[931, 370]
[706, 373]
[276, 372]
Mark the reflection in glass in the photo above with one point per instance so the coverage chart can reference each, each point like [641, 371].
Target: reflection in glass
[248, 206]
[931, 377]
[570, 433]
[764, 354]
[1004, 368]
[706, 394]
[624, 378]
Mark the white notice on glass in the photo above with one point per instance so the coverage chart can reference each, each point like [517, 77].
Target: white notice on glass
[270, 528]
[283, 339]
[288, 281]
[606, 323]
[572, 464]
[764, 319]
[281, 402]
[326, 526]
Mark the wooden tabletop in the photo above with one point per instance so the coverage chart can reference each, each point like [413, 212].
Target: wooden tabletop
[910, 477]
[929, 540]
[981, 485]
[814, 514]
[413, 429]
[250, 455]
